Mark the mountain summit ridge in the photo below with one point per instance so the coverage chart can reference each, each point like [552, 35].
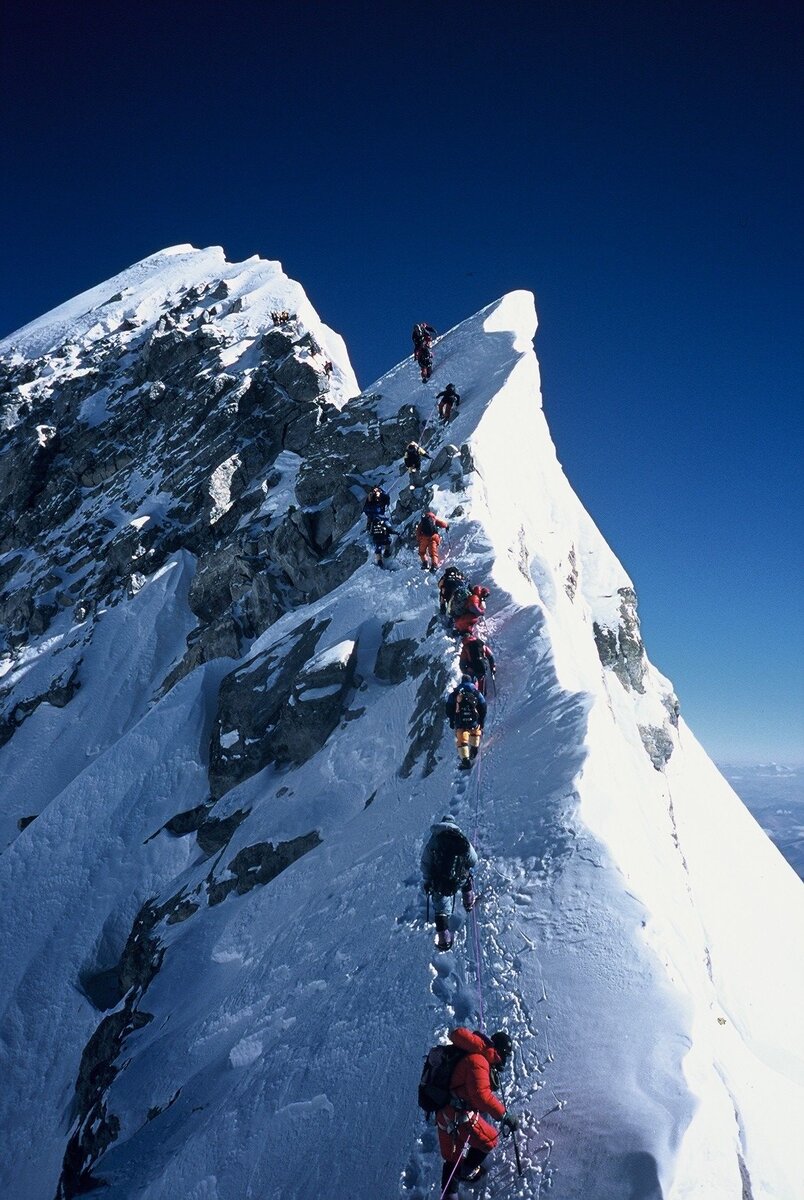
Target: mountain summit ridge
[228, 727]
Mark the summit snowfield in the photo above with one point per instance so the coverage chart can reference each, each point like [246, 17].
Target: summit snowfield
[222, 743]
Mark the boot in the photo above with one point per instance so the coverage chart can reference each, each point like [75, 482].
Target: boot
[468, 895]
[473, 751]
[465, 764]
[424, 565]
[472, 1170]
[443, 932]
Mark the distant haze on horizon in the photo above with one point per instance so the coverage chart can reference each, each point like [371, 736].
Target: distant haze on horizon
[638, 167]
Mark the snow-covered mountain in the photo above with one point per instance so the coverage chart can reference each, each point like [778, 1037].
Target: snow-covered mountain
[223, 744]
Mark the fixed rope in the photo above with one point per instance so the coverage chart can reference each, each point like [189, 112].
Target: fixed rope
[475, 926]
[448, 1184]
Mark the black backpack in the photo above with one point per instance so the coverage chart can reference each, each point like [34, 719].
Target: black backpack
[453, 580]
[466, 709]
[412, 458]
[459, 597]
[449, 861]
[427, 525]
[476, 656]
[434, 1092]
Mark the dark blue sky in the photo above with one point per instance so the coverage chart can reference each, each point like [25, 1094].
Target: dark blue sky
[638, 165]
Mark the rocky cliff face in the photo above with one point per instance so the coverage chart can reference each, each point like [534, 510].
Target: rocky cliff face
[170, 419]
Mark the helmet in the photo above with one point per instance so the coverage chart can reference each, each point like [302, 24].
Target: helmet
[483, 592]
[502, 1043]
[467, 679]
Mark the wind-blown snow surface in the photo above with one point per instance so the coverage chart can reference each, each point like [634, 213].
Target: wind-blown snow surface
[638, 932]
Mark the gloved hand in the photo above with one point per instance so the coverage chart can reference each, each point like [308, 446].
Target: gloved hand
[510, 1122]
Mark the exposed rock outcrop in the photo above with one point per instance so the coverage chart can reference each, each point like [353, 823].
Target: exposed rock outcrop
[250, 703]
[621, 649]
[257, 865]
[658, 743]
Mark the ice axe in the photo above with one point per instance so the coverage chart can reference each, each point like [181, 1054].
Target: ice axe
[508, 1132]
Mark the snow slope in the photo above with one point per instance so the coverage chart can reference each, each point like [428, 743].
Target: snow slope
[636, 931]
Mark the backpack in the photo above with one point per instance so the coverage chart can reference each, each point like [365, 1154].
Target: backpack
[476, 655]
[449, 861]
[434, 1092]
[459, 598]
[466, 709]
[412, 458]
[451, 583]
[427, 525]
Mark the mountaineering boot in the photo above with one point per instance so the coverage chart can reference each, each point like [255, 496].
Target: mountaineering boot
[473, 751]
[424, 565]
[443, 933]
[465, 764]
[472, 1170]
[468, 896]
[433, 567]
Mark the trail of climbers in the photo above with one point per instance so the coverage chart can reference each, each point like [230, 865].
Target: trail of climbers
[463, 607]
[466, 608]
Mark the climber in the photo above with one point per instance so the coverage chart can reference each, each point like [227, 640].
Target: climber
[466, 710]
[413, 459]
[429, 539]
[381, 536]
[424, 357]
[328, 367]
[472, 609]
[476, 659]
[446, 400]
[448, 584]
[375, 505]
[460, 1123]
[447, 862]
[422, 335]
